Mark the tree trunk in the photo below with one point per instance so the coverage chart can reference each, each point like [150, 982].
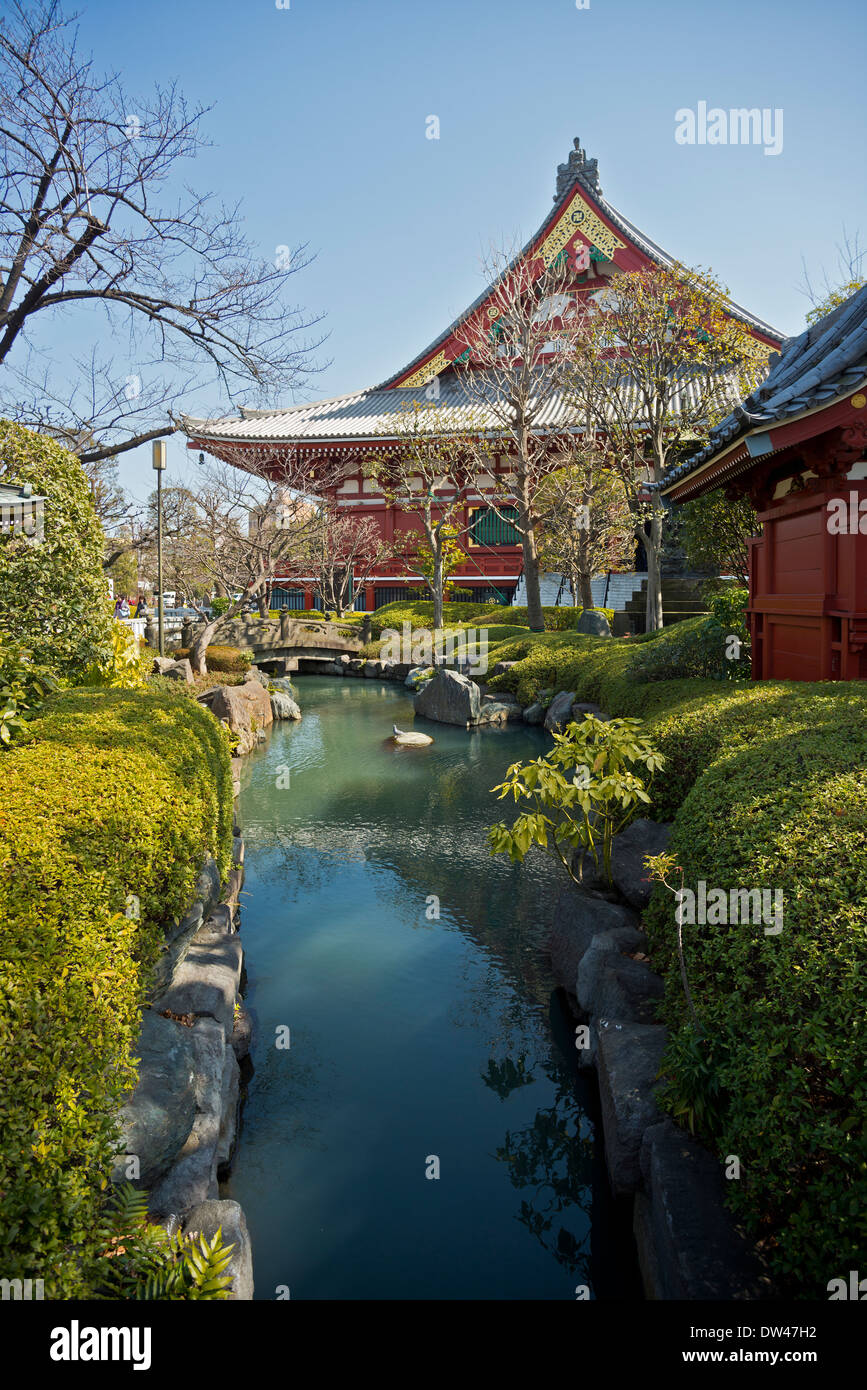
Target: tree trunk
[200, 645]
[653, 550]
[586, 581]
[438, 592]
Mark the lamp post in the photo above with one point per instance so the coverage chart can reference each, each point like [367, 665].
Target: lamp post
[159, 463]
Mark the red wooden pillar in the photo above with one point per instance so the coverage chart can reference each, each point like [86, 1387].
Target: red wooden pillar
[308, 598]
[369, 598]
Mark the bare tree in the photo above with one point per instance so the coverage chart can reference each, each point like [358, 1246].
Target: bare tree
[346, 549]
[252, 526]
[586, 523]
[429, 476]
[85, 219]
[518, 351]
[848, 279]
[664, 359]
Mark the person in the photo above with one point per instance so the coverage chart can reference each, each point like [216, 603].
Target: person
[117, 603]
[124, 608]
[142, 608]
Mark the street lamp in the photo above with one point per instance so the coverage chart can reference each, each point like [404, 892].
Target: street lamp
[159, 463]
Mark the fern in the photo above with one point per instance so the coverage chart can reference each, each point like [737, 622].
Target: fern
[143, 1262]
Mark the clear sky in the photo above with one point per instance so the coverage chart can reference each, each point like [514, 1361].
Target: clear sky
[319, 128]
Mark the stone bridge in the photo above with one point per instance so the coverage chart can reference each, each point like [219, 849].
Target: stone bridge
[293, 644]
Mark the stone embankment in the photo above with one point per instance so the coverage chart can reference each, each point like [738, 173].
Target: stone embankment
[180, 1125]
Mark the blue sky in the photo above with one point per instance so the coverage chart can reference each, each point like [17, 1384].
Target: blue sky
[319, 122]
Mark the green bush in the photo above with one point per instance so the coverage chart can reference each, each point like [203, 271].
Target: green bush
[106, 814]
[54, 594]
[221, 658]
[697, 647]
[557, 619]
[782, 806]
[23, 688]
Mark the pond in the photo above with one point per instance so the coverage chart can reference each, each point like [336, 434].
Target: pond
[415, 1125]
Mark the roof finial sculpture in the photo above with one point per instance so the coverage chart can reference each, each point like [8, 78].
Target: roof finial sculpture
[577, 169]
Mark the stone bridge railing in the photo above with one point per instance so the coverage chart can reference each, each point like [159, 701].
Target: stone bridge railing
[279, 636]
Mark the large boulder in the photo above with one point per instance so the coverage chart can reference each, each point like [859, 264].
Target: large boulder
[192, 1178]
[283, 706]
[628, 853]
[180, 671]
[559, 712]
[593, 624]
[450, 698]
[628, 1059]
[245, 708]
[577, 918]
[689, 1247]
[207, 980]
[158, 1116]
[535, 713]
[605, 949]
[495, 712]
[283, 684]
[228, 1218]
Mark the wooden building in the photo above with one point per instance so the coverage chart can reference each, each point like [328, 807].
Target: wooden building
[797, 448]
[597, 243]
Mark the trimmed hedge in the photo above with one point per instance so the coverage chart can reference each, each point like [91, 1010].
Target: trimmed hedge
[221, 658]
[419, 612]
[766, 783]
[121, 793]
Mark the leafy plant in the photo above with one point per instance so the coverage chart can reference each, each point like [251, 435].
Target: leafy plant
[23, 688]
[580, 795]
[140, 1260]
[124, 666]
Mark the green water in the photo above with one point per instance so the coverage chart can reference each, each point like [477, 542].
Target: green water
[411, 1038]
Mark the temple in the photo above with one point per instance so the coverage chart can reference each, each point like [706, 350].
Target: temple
[796, 448]
[598, 242]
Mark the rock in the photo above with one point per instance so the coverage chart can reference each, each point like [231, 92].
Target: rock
[228, 1218]
[355, 666]
[230, 1105]
[284, 707]
[593, 624]
[245, 708]
[627, 1061]
[242, 1033]
[254, 674]
[416, 674]
[180, 671]
[627, 991]
[373, 669]
[411, 739]
[535, 713]
[193, 1176]
[158, 1116]
[628, 852]
[577, 918]
[449, 698]
[284, 685]
[206, 982]
[494, 712]
[605, 947]
[687, 1242]
[582, 708]
[559, 712]
[389, 671]
[503, 666]
[162, 664]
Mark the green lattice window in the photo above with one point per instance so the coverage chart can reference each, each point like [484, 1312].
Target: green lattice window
[489, 528]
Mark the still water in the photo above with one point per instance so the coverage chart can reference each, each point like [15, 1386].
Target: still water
[415, 1042]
